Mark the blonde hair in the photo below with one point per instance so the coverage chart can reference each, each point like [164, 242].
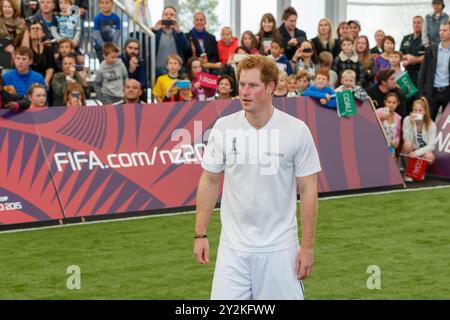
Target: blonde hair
[229, 29]
[329, 40]
[303, 74]
[423, 102]
[176, 57]
[348, 73]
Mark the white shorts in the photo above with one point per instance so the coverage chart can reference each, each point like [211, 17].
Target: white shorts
[256, 275]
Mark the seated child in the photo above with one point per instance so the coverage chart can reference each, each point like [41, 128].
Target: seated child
[390, 119]
[292, 86]
[303, 82]
[321, 90]
[348, 81]
[281, 89]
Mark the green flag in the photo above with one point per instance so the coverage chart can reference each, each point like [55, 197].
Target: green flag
[346, 103]
[406, 85]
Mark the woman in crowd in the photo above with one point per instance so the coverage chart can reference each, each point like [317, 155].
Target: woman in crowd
[419, 133]
[248, 40]
[364, 56]
[382, 61]
[305, 58]
[268, 31]
[325, 40]
[12, 30]
[225, 87]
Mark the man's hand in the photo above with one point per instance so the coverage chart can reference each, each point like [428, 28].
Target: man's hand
[134, 63]
[293, 42]
[303, 265]
[201, 250]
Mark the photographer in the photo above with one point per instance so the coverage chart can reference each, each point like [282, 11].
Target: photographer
[74, 95]
[134, 64]
[169, 40]
[71, 73]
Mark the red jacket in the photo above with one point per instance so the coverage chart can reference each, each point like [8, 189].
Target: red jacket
[225, 51]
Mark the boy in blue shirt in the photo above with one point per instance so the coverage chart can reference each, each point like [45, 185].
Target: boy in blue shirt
[106, 27]
[321, 90]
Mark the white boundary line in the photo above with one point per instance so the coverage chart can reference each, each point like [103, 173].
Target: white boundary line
[76, 224]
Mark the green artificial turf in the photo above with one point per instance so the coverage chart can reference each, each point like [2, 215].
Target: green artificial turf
[407, 235]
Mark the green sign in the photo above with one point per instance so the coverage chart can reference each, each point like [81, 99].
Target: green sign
[406, 85]
[346, 103]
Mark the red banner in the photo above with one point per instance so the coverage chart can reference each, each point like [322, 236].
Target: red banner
[71, 162]
[208, 80]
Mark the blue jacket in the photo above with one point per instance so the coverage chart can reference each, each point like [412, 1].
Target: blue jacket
[283, 60]
[21, 82]
[138, 74]
[314, 92]
[181, 42]
[300, 35]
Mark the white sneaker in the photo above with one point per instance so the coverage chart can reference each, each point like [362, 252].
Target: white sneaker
[408, 179]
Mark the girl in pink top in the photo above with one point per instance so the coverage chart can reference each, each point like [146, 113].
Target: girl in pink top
[391, 120]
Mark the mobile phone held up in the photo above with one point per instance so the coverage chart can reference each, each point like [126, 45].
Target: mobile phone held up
[167, 22]
[183, 84]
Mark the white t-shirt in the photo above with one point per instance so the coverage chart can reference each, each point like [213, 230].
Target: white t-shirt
[258, 207]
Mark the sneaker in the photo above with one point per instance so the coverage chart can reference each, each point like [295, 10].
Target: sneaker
[408, 179]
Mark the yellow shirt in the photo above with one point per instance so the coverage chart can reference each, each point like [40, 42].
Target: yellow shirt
[162, 85]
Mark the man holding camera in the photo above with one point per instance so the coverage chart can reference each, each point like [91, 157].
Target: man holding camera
[169, 39]
[135, 65]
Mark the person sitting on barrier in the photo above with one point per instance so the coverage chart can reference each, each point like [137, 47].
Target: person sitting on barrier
[391, 120]
[348, 81]
[164, 88]
[71, 73]
[110, 78]
[292, 86]
[249, 41]
[321, 91]
[303, 82]
[419, 132]
[37, 94]
[10, 100]
[281, 88]
[74, 95]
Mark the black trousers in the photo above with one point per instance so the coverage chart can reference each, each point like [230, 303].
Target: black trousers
[439, 98]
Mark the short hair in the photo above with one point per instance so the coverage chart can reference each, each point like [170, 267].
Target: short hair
[390, 38]
[326, 58]
[200, 12]
[279, 42]
[289, 11]
[72, 2]
[347, 39]
[131, 40]
[267, 67]
[170, 7]
[173, 56]
[66, 40]
[303, 74]
[71, 56]
[385, 74]
[323, 72]
[348, 73]
[33, 87]
[398, 53]
[74, 86]
[420, 17]
[445, 23]
[23, 51]
[110, 48]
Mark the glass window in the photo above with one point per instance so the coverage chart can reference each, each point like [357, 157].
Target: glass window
[252, 12]
[309, 15]
[394, 17]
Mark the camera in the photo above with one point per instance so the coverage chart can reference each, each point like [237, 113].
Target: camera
[167, 22]
[307, 50]
[418, 116]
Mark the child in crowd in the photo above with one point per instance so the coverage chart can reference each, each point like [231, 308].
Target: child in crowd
[65, 47]
[432, 23]
[325, 62]
[348, 81]
[106, 27]
[249, 41]
[182, 94]
[321, 90]
[199, 93]
[68, 23]
[227, 45]
[303, 82]
[268, 32]
[382, 61]
[37, 95]
[305, 59]
[395, 60]
[348, 59]
[281, 89]
[390, 119]
[276, 50]
[111, 77]
[419, 133]
[163, 89]
[292, 86]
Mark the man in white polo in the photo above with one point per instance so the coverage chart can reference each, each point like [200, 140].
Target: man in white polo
[264, 154]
